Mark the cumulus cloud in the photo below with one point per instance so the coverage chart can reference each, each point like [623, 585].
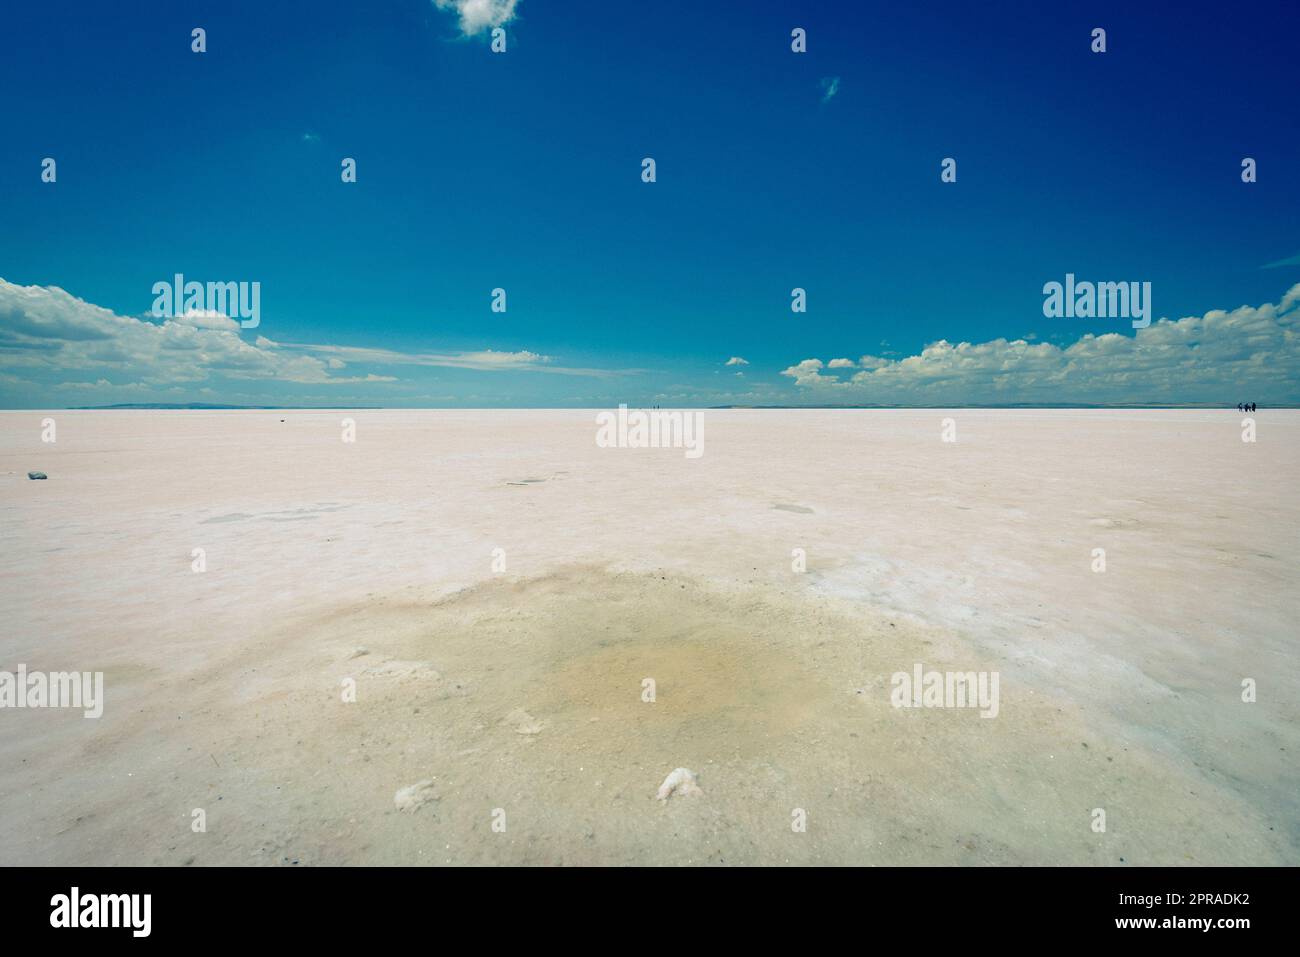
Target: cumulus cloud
[207, 319]
[737, 361]
[809, 373]
[50, 339]
[1249, 353]
[479, 15]
[46, 329]
[841, 364]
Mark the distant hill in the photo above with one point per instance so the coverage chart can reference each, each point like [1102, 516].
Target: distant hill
[1009, 405]
[321, 408]
[204, 405]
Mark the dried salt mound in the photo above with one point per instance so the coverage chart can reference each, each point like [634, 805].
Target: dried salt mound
[415, 796]
[522, 722]
[681, 781]
[401, 669]
[1115, 522]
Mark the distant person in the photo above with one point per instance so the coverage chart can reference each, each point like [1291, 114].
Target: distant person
[1252, 407]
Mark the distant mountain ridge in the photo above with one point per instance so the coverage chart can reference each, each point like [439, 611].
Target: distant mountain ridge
[210, 407]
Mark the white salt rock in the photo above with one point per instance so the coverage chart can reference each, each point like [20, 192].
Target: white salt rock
[415, 796]
[402, 670]
[522, 722]
[681, 781]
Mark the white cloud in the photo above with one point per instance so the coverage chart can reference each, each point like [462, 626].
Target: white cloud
[1250, 353]
[830, 86]
[737, 361]
[1289, 261]
[841, 364]
[208, 319]
[48, 337]
[478, 15]
[47, 329]
[808, 373]
[488, 359]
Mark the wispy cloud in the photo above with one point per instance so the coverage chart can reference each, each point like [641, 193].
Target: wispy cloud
[830, 86]
[488, 360]
[1289, 261]
[1252, 352]
[479, 15]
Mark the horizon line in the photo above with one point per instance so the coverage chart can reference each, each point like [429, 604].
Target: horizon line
[201, 407]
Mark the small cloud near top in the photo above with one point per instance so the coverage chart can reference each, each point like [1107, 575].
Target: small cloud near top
[830, 86]
[479, 15]
[737, 361]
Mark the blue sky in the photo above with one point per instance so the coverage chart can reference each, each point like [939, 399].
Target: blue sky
[522, 170]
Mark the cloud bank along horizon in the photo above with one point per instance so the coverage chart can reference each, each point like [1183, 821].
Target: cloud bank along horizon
[61, 350]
